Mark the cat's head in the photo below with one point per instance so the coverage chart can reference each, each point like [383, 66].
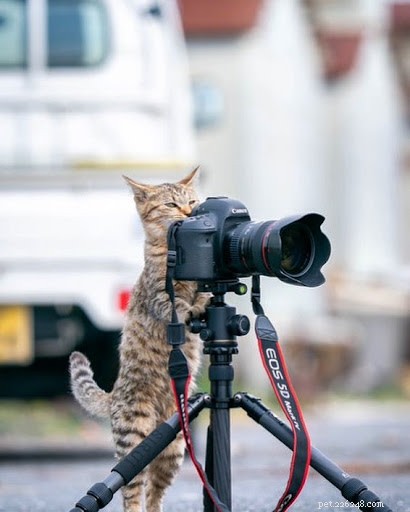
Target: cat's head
[160, 205]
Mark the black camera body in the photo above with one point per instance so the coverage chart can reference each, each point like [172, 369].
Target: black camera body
[200, 239]
[219, 242]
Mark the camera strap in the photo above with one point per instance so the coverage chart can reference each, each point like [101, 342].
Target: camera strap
[179, 371]
[275, 366]
[180, 380]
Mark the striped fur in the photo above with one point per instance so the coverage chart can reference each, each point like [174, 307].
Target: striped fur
[84, 388]
[141, 397]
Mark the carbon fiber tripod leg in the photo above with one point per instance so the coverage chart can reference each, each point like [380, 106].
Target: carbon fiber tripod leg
[351, 488]
[218, 458]
[100, 494]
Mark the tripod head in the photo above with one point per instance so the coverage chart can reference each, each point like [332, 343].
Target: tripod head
[219, 326]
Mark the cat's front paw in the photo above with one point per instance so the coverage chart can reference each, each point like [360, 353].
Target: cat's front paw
[202, 300]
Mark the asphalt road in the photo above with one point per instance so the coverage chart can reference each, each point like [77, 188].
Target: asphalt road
[371, 442]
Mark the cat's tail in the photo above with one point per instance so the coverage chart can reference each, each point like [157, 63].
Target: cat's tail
[86, 391]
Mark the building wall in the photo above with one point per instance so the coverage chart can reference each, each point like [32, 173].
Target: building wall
[288, 141]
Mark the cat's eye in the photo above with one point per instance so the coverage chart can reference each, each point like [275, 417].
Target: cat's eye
[171, 205]
[194, 201]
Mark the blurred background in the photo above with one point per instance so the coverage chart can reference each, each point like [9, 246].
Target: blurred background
[304, 106]
[290, 106]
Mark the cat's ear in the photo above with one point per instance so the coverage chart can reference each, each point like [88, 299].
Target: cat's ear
[141, 191]
[189, 180]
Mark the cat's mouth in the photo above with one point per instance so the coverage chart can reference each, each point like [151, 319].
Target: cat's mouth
[185, 211]
[181, 215]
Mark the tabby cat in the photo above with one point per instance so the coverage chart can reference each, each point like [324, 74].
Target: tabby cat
[142, 397]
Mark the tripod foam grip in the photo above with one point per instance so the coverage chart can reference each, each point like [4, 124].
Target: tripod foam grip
[145, 452]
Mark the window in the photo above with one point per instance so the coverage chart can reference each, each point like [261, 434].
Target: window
[208, 104]
[13, 33]
[77, 33]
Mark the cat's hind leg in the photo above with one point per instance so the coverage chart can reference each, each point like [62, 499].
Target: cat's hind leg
[161, 473]
[128, 432]
[132, 493]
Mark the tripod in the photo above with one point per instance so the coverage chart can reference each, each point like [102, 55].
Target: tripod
[219, 328]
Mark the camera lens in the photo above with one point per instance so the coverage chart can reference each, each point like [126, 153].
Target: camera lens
[250, 249]
[292, 249]
[297, 249]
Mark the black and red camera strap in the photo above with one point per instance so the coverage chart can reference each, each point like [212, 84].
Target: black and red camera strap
[180, 381]
[275, 366]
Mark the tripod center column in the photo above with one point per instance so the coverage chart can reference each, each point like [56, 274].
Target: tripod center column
[220, 345]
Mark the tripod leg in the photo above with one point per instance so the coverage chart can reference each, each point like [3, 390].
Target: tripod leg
[219, 430]
[351, 488]
[209, 469]
[100, 494]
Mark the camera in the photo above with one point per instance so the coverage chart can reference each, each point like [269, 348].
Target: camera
[220, 242]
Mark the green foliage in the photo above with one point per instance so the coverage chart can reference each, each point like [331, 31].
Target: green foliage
[38, 418]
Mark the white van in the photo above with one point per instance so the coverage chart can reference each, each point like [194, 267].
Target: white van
[89, 90]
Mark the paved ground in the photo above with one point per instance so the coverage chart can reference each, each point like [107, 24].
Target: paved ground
[369, 441]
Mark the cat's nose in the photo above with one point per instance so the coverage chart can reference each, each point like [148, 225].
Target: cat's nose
[186, 210]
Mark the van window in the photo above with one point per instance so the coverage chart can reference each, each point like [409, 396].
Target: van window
[77, 33]
[13, 33]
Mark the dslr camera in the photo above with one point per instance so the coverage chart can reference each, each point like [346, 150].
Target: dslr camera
[220, 242]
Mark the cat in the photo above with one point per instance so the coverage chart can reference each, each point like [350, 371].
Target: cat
[142, 397]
